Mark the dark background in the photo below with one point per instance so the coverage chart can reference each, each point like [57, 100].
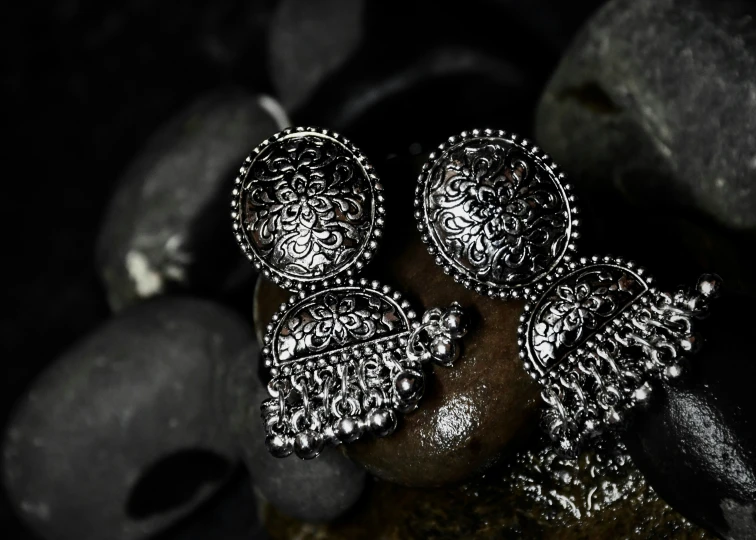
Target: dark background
[84, 83]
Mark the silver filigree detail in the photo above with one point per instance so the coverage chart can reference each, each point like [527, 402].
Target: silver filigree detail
[572, 309]
[599, 337]
[345, 362]
[496, 212]
[307, 207]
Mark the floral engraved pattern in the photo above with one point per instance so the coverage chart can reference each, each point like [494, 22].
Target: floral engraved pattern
[576, 307]
[496, 213]
[334, 320]
[308, 206]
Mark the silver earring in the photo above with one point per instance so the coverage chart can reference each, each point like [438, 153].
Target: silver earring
[597, 334]
[345, 354]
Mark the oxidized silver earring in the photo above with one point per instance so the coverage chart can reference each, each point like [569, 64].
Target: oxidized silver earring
[345, 354]
[497, 215]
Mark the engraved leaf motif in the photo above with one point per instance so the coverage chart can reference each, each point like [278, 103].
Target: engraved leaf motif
[574, 310]
[335, 320]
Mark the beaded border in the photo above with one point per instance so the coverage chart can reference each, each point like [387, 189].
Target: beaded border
[443, 260]
[370, 244]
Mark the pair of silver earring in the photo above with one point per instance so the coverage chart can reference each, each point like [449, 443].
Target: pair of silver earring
[346, 354]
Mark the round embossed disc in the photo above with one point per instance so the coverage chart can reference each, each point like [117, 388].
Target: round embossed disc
[307, 207]
[495, 212]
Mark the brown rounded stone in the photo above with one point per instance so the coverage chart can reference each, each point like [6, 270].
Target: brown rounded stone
[471, 411]
[535, 495]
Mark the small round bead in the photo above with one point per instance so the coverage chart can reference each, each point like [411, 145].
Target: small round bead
[409, 386]
[454, 321]
[709, 285]
[690, 343]
[308, 444]
[566, 447]
[443, 349]
[382, 422]
[673, 371]
[642, 394]
[590, 427]
[278, 445]
[347, 429]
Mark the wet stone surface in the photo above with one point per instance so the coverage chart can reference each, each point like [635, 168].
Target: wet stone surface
[536, 495]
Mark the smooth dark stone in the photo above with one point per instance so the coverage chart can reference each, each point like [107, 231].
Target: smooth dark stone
[307, 41]
[432, 95]
[536, 495]
[654, 100]
[118, 437]
[315, 490]
[167, 227]
[697, 444]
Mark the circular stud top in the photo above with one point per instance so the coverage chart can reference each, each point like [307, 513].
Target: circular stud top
[495, 212]
[306, 207]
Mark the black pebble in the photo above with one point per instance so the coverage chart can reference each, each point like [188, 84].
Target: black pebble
[697, 443]
[168, 227]
[118, 438]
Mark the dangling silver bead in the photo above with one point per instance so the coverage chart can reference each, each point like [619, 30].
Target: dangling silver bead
[709, 285]
[347, 429]
[443, 349]
[308, 444]
[673, 371]
[382, 422]
[454, 321]
[690, 343]
[278, 445]
[409, 386]
[642, 394]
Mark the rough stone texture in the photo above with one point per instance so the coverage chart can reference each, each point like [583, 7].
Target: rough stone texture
[697, 445]
[117, 438]
[316, 490]
[167, 226]
[536, 495]
[307, 41]
[657, 99]
[471, 411]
